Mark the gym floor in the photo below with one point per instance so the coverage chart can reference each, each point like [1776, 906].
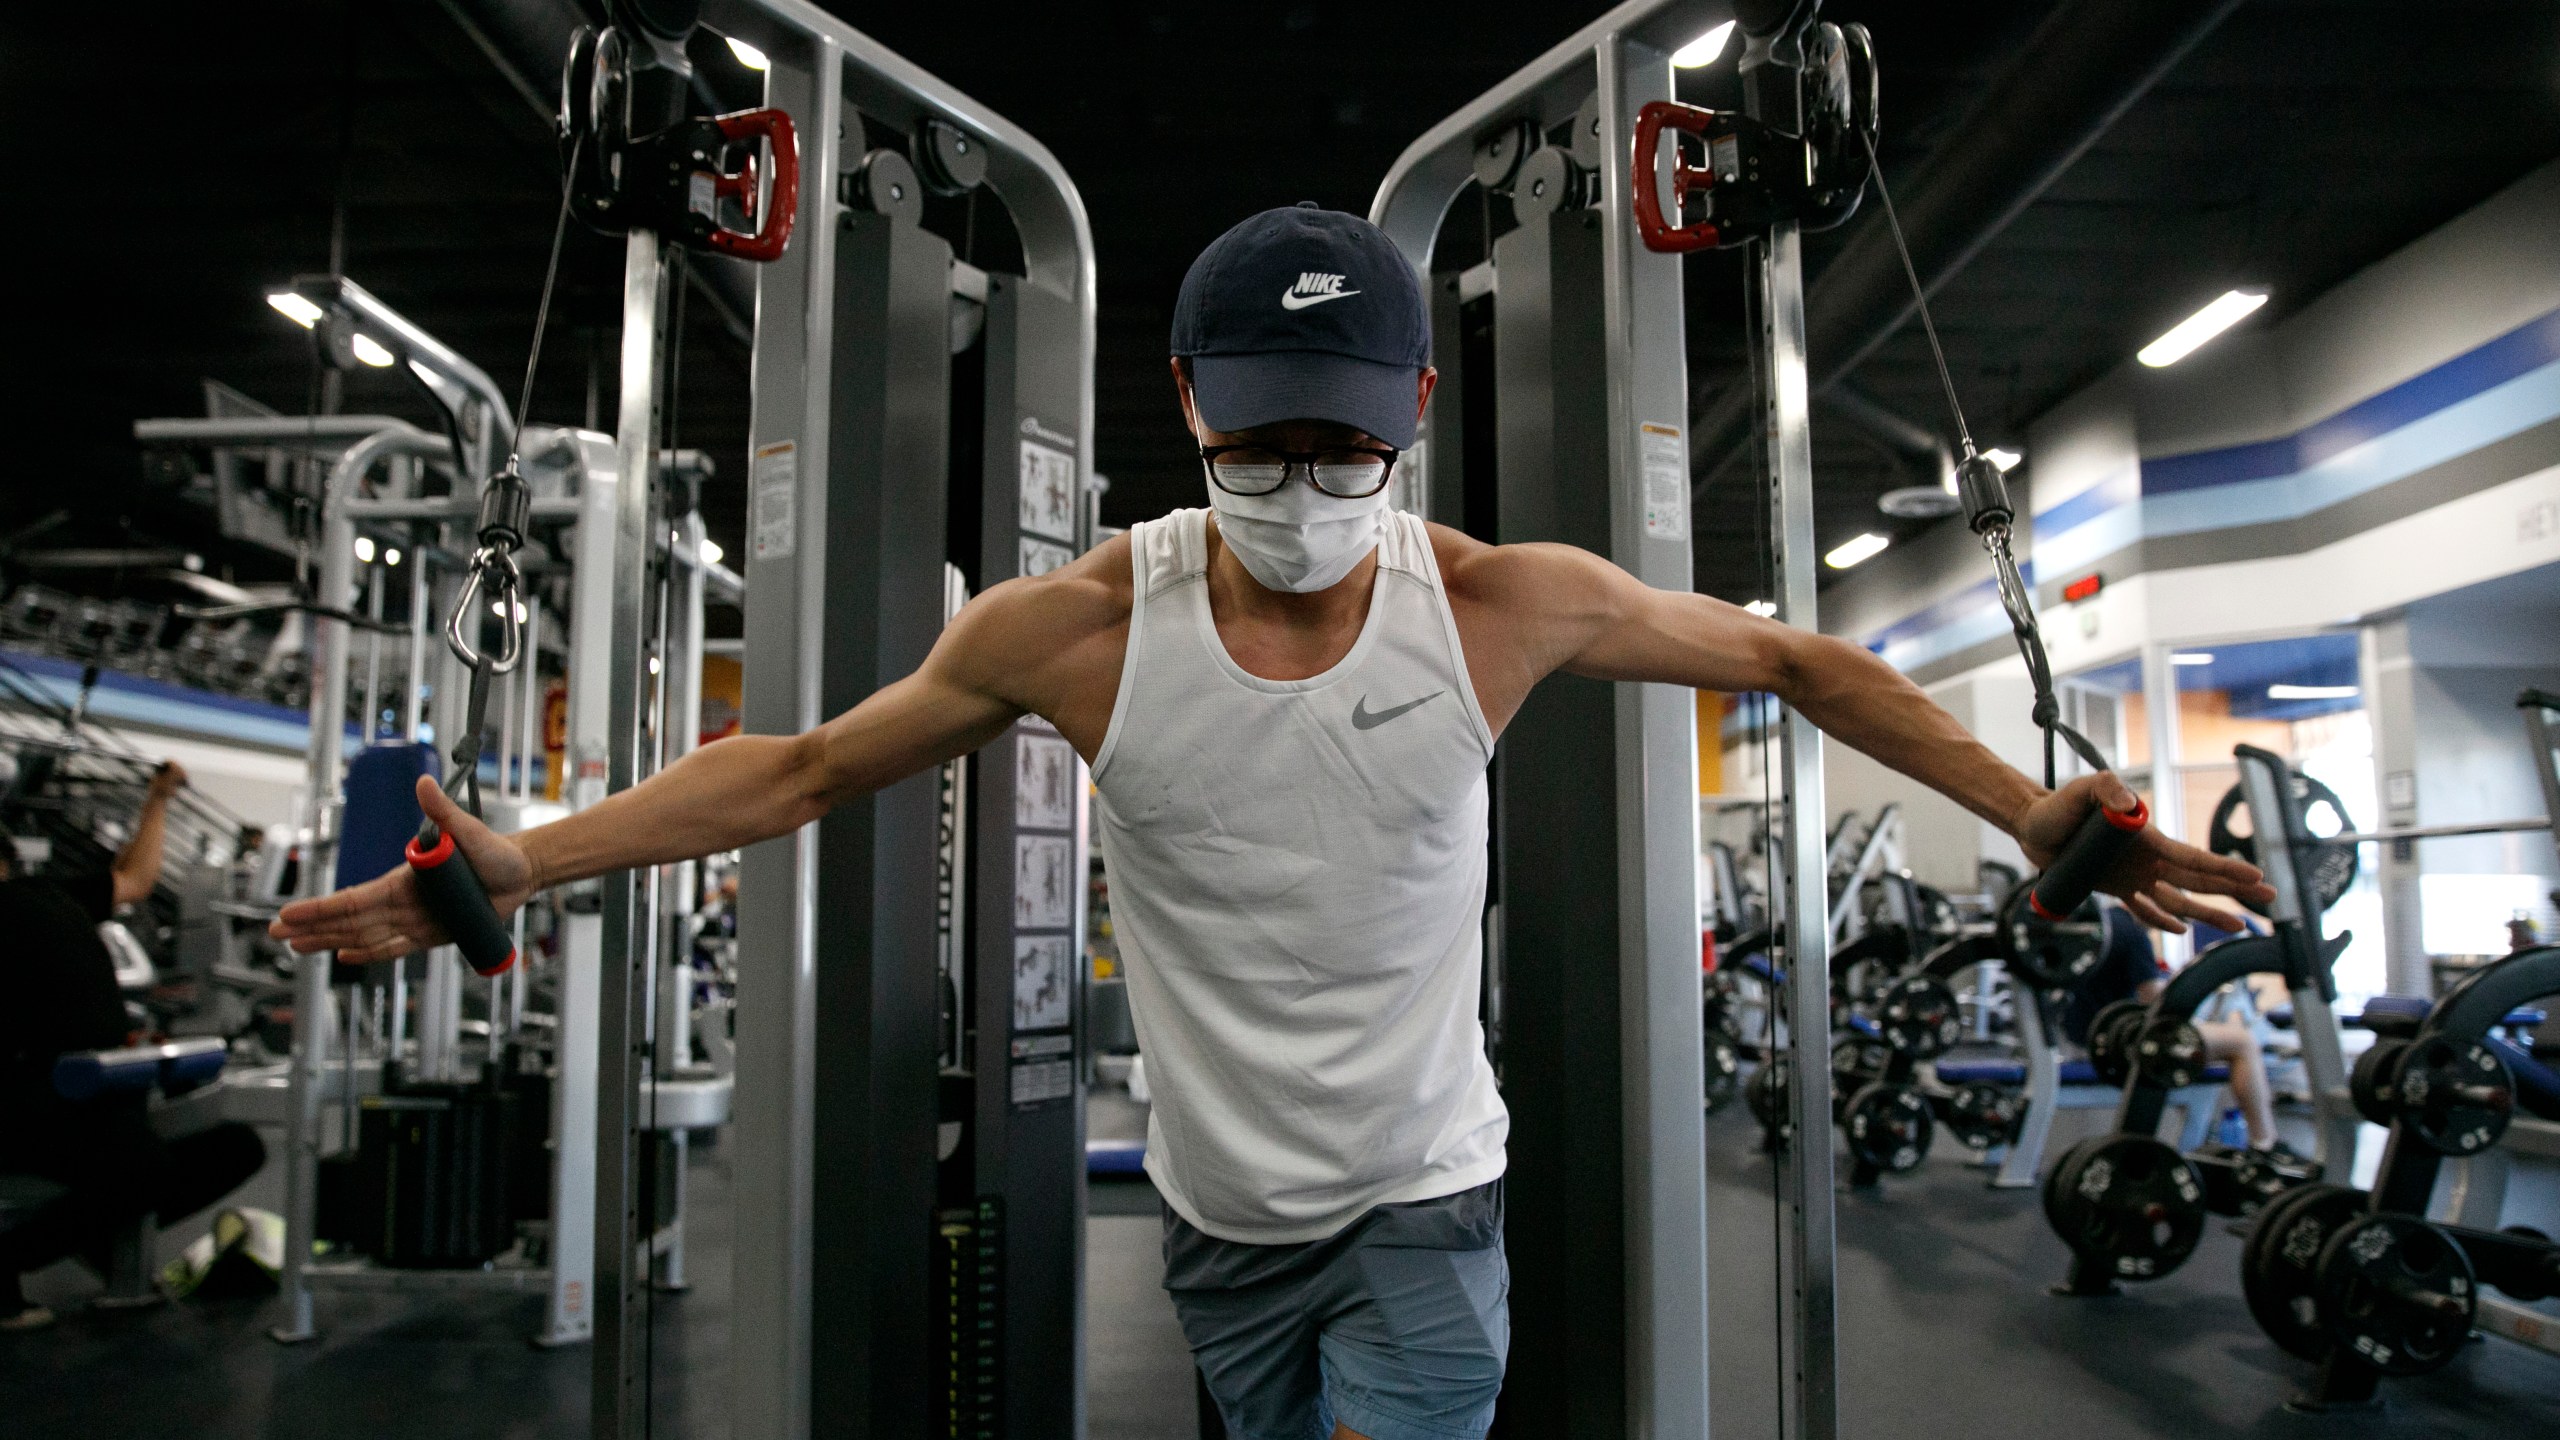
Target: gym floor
[1944, 1322]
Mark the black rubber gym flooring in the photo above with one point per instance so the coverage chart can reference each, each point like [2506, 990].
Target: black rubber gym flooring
[1945, 1327]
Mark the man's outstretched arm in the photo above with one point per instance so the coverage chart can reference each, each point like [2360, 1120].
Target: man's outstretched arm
[1588, 617]
[731, 793]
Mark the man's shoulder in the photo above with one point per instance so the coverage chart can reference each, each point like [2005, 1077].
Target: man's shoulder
[1532, 575]
[1036, 621]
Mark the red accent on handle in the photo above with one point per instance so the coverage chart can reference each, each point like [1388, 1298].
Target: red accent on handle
[1662, 234]
[431, 858]
[2133, 819]
[773, 232]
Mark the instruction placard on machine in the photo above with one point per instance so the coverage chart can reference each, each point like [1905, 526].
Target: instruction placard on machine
[1665, 462]
[1044, 783]
[1048, 492]
[1044, 882]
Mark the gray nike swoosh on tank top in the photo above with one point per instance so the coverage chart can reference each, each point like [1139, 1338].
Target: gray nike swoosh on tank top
[1363, 718]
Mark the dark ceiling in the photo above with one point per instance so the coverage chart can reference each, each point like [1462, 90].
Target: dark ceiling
[2301, 140]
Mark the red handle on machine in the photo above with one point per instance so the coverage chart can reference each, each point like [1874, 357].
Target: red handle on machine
[773, 228]
[1659, 233]
[2086, 857]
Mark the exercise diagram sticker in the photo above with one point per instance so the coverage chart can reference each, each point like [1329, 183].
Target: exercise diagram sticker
[1666, 481]
[1044, 783]
[1044, 881]
[1048, 491]
[1043, 982]
[773, 481]
[1039, 557]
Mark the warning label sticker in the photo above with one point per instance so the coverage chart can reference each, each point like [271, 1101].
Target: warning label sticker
[1666, 481]
[773, 498]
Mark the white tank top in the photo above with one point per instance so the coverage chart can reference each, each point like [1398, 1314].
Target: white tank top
[1297, 885]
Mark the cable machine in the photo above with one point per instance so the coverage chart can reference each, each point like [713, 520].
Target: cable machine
[909, 1213]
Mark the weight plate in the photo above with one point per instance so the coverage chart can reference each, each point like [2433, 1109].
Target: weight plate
[2259, 1178]
[1889, 1127]
[2051, 954]
[2064, 1173]
[1919, 1017]
[2327, 871]
[1721, 1006]
[2375, 1083]
[1724, 1071]
[2129, 1203]
[1767, 1097]
[1981, 1115]
[2455, 1095]
[2280, 1264]
[2111, 1034]
[2169, 1052]
[1855, 1060]
[2398, 1293]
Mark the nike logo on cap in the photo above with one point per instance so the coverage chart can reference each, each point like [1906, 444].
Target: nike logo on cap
[1363, 718]
[1313, 288]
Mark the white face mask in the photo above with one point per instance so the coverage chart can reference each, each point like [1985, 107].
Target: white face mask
[1298, 538]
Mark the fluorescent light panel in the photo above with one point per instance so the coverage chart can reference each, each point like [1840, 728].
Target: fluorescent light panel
[747, 54]
[294, 308]
[711, 551]
[2192, 657]
[1701, 51]
[370, 351]
[1865, 547]
[2311, 692]
[2190, 334]
[1762, 608]
[2003, 457]
[364, 548]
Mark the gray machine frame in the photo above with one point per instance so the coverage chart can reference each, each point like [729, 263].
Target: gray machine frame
[1605, 1094]
[839, 1108]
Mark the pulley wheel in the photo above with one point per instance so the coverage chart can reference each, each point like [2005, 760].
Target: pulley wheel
[1889, 1127]
[2051, 954]
[2456, 1095]
[2111, 1036]
[2280, 1264]
[2327, 869]
[2398, 1293]
[1724, 1071]
[1919, 1018]
[1981, 1115]
[2169, 1052]
[2129, 1203]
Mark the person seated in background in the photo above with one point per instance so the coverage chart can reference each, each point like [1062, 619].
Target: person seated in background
[62, 992]
[2129, 969]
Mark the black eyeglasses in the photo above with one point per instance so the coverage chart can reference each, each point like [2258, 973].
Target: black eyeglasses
[1345, 472]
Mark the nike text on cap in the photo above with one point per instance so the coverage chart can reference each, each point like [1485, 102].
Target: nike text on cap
[1304, 314]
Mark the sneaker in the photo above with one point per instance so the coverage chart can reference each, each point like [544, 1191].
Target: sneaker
[26, 1317]
[2286, 1158]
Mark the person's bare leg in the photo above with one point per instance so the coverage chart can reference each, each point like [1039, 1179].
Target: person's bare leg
[2234, 1046]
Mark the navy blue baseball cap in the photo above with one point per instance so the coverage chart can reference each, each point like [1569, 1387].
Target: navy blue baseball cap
[1304, 314]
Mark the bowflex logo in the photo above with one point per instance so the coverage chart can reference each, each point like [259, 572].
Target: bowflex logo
[1313, 288]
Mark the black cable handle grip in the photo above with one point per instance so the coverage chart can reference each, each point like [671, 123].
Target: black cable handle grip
[451, 892]
[2086, 857]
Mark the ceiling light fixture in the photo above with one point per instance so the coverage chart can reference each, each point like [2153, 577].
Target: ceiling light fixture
[1865, 547]
[2190, 334]
[2192, 657]
[1701, 51]
[391, 556]
[294, 308]
[747, 54]
[370, 351]
[364, 549]
[2311, 692]
[2003, 457]
[1762, 608]
[711, 551]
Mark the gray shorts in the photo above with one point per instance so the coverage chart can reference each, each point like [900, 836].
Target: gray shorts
[1397, 1327]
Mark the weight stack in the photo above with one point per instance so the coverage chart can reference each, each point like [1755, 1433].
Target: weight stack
[432, 1172]
[971, 1251]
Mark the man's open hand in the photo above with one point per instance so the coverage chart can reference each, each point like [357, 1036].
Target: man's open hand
[382, 919]
[2159, 879]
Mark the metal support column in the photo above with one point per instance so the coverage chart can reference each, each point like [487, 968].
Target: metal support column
[1798, 875]
[2388, 677]
[621, 1399]
[2168, 785]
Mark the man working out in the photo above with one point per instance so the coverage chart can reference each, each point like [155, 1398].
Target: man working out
[63, 997]
[2129, 969]
[1288, 701]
